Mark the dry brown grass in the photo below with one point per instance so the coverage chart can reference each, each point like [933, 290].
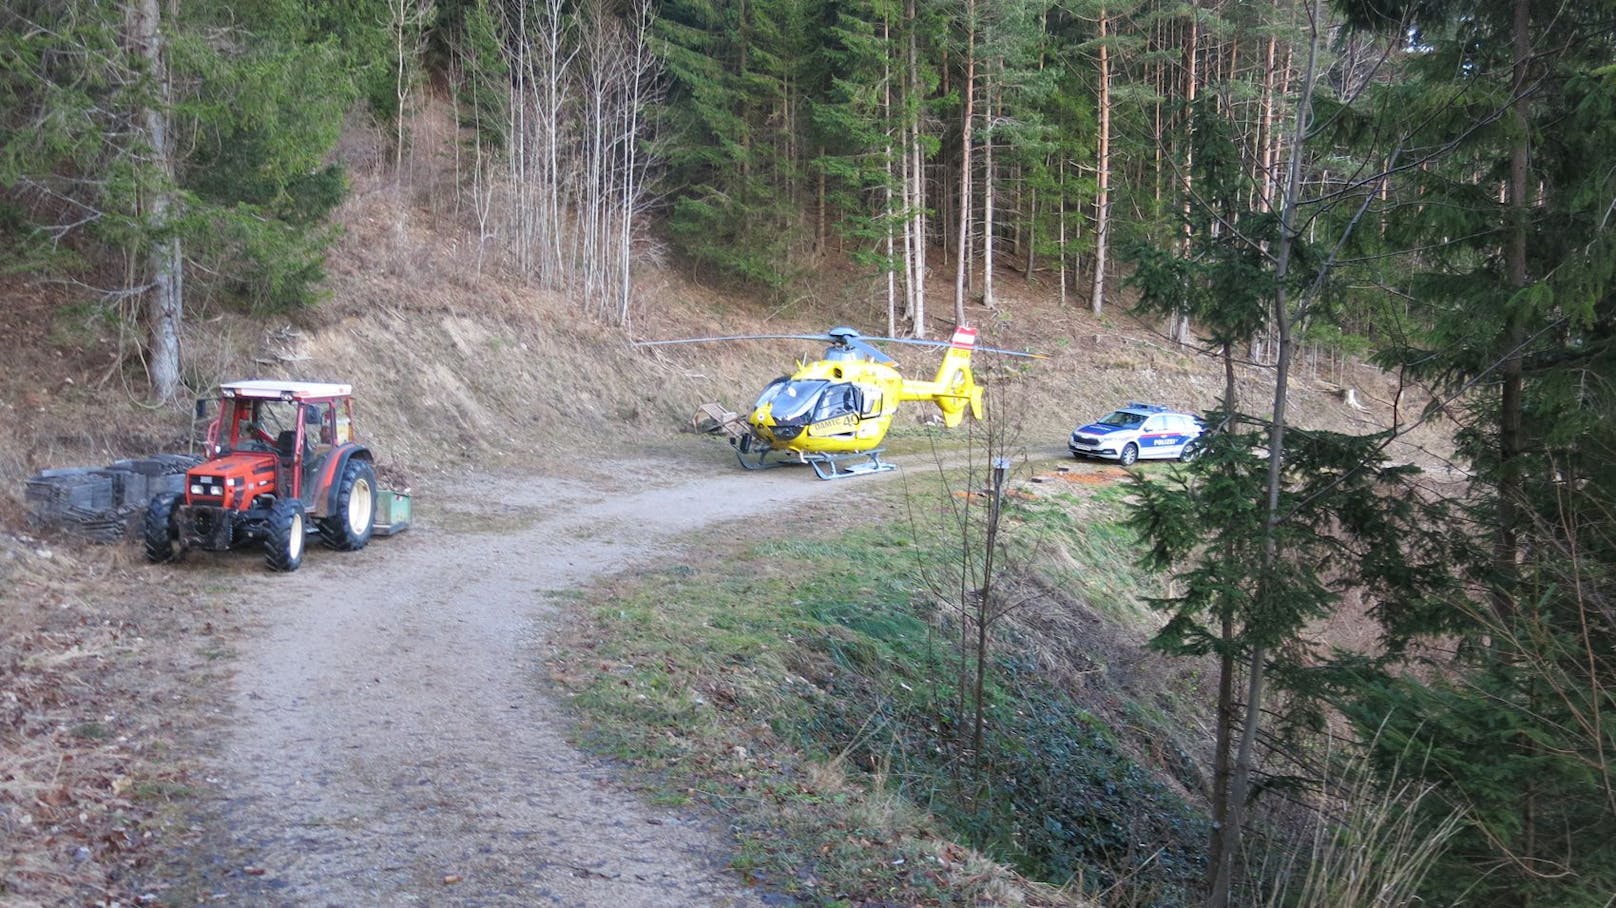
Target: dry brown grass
[107, 674]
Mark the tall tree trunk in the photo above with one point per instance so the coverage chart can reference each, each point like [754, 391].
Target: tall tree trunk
[1225, 716]
[1159, 127]
[905, 180]
[1032, 235]
[890, 214]
[987, 192]
[1179, 330]
[1265, 129]
[822, 213]
[1102, 196]
[408, 25]
[915, 198]
[1245, 756]
[1060, 233]
[1510, 428]
[962, 262]
[633, 182]
[165, 299]
[518, 153]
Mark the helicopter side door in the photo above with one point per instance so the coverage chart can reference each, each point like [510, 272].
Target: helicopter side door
[872, 408]
[837, 411]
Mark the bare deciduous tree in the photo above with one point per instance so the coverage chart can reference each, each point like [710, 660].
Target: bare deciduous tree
[578, 160]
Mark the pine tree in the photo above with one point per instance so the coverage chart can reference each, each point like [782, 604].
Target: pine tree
[1509, 289]
[205, 133]
[856, 123]
[735, 121]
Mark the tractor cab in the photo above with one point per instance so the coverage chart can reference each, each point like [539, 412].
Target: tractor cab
[300, 423]
[281, 455]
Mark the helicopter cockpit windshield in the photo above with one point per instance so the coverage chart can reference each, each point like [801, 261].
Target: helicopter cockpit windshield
[792, 399]
[838, 400]
[771, 390]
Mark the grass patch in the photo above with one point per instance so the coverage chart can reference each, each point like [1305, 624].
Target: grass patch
[810, 689]
[1081, 544]
[92, 731]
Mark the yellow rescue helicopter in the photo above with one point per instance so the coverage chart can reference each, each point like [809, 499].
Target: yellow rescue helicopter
[833, 413]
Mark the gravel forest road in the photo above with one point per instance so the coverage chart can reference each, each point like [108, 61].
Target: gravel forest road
[392, 741]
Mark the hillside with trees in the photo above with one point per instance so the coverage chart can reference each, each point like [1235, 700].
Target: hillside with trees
[1426, 186]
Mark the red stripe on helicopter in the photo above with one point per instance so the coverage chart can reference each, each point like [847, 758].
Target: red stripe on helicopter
[964, 338]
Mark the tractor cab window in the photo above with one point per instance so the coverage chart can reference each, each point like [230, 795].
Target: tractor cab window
[265, 425]
[343, 422]
[796, 399]
[318, 425]
[242, 430]
[223, 433]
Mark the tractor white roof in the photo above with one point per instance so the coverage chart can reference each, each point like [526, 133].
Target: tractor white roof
[274, 389]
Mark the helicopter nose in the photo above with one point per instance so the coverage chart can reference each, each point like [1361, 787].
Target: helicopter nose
[764, 425]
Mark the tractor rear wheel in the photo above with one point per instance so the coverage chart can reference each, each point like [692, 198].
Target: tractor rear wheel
[283, 546]
[161, 537]
[354, 515]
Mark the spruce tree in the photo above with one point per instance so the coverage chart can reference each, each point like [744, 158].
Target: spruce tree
[1508, 288]
[198, 138]
[735, 120]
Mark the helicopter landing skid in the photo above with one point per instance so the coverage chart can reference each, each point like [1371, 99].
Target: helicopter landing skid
[835, 466]
[756, 458]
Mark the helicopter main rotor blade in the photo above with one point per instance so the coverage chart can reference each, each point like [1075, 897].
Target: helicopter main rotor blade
[822, 338]
[844, 337]
[922, 342]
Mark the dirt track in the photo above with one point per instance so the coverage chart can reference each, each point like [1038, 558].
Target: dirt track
[391, 742]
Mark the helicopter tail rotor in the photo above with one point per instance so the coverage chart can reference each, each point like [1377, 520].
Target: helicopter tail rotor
[955, 376]
[958, 392]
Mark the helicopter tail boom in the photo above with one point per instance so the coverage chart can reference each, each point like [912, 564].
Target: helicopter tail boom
[954, 390]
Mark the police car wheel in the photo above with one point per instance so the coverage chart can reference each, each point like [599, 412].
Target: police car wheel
[1130, 453]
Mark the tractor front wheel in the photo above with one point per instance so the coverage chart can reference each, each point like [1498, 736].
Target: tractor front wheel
[354, 515]
[283, 546]
[161, 536]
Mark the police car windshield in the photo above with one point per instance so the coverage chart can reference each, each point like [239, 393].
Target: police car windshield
[1122, 419]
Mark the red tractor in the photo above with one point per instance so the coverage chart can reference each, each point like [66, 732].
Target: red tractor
[281, 454]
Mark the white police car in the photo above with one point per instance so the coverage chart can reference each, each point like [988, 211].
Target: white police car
[1139, 430]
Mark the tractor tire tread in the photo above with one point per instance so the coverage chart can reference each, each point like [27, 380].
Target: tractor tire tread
[286, 540]
[157, 529]
[338, 531]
